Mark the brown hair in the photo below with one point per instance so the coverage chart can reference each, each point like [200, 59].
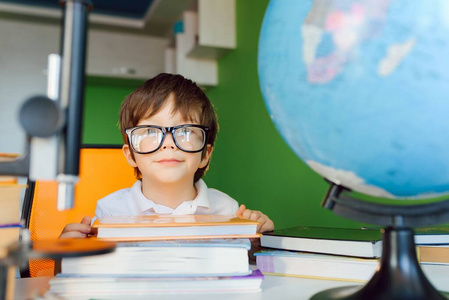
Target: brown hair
[188, 99]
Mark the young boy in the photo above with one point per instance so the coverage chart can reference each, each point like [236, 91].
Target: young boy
[169, 128]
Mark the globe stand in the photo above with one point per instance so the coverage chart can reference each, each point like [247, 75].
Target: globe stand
[399, 275]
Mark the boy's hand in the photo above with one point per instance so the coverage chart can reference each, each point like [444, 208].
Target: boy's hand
[77, 230]
[254, 215]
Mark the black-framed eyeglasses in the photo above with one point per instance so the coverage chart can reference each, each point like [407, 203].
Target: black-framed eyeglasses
[145, 139]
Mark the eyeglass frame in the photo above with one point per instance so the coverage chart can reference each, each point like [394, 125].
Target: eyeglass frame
[164, 130]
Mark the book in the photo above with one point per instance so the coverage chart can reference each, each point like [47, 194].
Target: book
[334, 267]
[10, 200]
[163, 227]
[217, 257]
[316, 265]
[438, 235]
[118, 287]
[8, 157]
[364, 242]
[338, 241]
[432, 235]
[4, 157]
[9, 234]
[10, 196]
[434, 254]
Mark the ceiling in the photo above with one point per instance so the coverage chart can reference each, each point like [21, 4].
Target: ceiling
[151, 17]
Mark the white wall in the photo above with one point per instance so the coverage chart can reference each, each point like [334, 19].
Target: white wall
[24, 47]
[22, 64]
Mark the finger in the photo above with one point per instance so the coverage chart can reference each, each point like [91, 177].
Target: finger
[83, 228]
[240, 210]
[86, 220]
[253, 215]
[247, 213]
[73, 235]
[262, 219]
[267, 226]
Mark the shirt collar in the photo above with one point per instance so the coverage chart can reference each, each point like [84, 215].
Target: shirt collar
[147, 206]
[202, 198]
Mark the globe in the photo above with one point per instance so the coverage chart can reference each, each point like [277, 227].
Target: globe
[359, 89]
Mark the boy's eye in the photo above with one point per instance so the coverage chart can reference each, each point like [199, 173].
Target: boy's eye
[152, 132]
[184, 131]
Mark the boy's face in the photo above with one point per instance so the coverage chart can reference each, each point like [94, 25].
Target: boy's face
[168, 164]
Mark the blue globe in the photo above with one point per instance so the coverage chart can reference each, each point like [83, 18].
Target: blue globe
[360, 91]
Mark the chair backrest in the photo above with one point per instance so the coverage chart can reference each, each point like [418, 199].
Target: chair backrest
[102, 171]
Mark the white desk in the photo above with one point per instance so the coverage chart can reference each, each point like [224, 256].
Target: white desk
[273, 287]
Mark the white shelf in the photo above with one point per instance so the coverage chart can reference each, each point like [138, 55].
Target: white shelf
[113, 54]
[203, 71]
[215, 30]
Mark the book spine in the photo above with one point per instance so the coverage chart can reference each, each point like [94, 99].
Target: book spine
[265, 264]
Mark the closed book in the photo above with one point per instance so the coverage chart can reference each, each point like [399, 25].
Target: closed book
[118, 287]
[10, 200]
[9, 234]
[432, 235]
[163, 227]
[438, 235]
[218, 257]
[338, 241]
[434, 254]
[334, 267]
[316, 265]
[7, 157]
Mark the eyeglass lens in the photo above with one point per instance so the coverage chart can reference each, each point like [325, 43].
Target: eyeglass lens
[149, 139]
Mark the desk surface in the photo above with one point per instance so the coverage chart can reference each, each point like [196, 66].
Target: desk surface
[273, 287]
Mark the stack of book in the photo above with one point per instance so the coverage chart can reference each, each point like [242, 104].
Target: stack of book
[164, 254]
[10, 199]
[10, 224]
[345, 254]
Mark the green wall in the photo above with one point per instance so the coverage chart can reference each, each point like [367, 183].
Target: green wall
[251, 162]
[101, 108]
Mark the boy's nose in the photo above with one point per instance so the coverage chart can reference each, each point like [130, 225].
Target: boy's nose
[169, 142]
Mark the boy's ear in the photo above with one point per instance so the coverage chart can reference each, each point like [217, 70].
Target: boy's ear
[206, 157]
[128, 155]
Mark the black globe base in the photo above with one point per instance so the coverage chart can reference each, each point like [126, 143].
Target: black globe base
[398, 277]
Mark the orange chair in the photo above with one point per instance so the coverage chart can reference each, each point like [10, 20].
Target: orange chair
[102, 171]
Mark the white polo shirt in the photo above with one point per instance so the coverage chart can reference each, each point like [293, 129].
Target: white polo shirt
[131, 202]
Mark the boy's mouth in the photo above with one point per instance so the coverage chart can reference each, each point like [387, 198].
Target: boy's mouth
[169, 161]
